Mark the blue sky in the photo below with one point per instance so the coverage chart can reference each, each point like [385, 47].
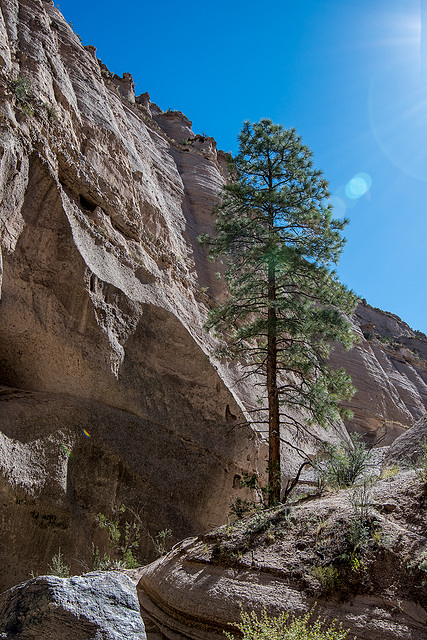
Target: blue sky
[347, 74]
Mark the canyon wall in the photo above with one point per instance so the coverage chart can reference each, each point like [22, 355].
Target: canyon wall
[109, 390]
[388, 367]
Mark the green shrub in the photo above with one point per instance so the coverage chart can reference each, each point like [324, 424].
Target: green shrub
[262, 492]
[240, 507]
[160, 541]
[23, 92]
[123, 537]
[343, 464]
[100, 563]
[58, 566]
[388, 341]
[328, 576]
[287, 627]
[124, 529]
[22, 89]
[359, 534]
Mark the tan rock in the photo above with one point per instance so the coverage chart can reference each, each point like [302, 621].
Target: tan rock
[389, 370]
[279, 560]
[102, 313]
[105, 291]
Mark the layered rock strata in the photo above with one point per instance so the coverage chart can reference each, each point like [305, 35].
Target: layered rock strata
[410, 448]
[389, 370]
[293, 558]
[110, 393]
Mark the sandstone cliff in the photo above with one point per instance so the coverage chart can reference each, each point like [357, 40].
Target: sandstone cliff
[103, 303]
[109, 390]
[389, 370]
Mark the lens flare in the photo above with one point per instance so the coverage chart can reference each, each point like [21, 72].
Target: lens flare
[67, 451]
[398, 117]
[86, 433]
[338, 205]
[358, 186]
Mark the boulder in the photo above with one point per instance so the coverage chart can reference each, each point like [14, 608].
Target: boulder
[99, 605]
[409, 447]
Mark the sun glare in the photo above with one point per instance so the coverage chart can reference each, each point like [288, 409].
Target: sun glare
[400, 29]
[397, 100]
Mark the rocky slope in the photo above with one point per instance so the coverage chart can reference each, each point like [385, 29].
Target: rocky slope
[110, 393]
[367, 573]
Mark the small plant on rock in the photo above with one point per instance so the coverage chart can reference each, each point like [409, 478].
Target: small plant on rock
[360, 500]
[22, 89]
[123, 536]
[262, 492]
[161, 541]
[51, 111]
[58, 566]
[240, 507]
[124, 529]
[389, 472]
[328, 576]
[24, 95]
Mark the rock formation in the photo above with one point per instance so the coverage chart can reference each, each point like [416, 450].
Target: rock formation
[389, 370]
[110, 393]
[97, 605]
[410, 447]
[372, 579]
[103, 303]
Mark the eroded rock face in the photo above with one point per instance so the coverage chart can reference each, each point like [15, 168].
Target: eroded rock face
[64, 459]
[96, 605]
[291, 558]
[105, 291]
[389, 370]
[102, 307]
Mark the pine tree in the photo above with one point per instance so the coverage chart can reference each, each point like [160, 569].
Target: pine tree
[275, 232]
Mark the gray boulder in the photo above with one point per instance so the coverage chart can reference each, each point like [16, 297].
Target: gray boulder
[408, 447]
[96, 606]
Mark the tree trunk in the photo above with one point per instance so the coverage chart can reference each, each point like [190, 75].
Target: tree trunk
[273, 395]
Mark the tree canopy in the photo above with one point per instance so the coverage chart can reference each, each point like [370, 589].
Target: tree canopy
[286, 307]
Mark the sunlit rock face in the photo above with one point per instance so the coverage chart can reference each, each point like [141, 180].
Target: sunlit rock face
[276, 561]
[388, 367]
[108, 395]
[97, 605]
[109, 392]
[409, 449]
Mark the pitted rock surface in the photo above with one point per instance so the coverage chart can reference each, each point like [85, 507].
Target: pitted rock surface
[105, 291]
[99, 605]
